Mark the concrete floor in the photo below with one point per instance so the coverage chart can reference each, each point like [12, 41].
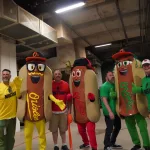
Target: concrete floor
[123, 137]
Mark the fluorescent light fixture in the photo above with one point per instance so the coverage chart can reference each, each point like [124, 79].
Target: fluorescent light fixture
[103, 45]
[70, 7]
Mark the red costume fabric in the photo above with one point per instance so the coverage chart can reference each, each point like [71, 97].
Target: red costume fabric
[79, 69]
[60, 91]
[90, 126]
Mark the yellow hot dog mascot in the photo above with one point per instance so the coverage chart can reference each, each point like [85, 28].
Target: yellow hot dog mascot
[132, 107]
[84, 88]
[34, 107]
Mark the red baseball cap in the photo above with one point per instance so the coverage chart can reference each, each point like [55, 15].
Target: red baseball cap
[121, 53]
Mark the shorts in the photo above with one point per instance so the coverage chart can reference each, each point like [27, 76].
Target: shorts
[58, 121]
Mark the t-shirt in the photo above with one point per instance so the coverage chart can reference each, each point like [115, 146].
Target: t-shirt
[105, 92]
[60, 91]
[146, 89]
[8, 101]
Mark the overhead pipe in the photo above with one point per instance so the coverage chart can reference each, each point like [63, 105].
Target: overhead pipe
[121, 19]
[71, 28]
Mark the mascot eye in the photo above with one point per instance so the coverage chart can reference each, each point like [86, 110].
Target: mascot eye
[73, 73]
[41, 67]
[78, 73]
[119, 64]
[31, 67]
[125, 63]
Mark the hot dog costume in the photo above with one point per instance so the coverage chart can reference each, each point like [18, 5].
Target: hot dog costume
[131, 107]
[34, 107]
[84, 88]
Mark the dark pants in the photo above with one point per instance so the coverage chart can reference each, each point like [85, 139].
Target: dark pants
[7, 133]
[112, 129]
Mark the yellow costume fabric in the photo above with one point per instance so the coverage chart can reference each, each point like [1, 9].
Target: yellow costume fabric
[28, 130]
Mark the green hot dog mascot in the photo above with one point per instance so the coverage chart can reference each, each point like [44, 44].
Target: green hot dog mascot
[131, 107]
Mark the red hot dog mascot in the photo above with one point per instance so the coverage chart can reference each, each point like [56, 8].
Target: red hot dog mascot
[84, 88]
[133, 108]
[34, 107]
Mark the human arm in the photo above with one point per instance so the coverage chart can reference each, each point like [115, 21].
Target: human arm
[69, 98]
[111, 114]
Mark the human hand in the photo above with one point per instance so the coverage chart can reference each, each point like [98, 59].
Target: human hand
[111, 115]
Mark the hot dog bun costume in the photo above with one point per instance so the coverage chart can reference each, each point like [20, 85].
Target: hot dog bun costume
[34, 107]
[84, 88]
[132, 107]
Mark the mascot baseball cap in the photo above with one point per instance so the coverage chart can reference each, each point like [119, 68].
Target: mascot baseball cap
[36, 56]
[145, 61]
[83, 62]
[121, 53]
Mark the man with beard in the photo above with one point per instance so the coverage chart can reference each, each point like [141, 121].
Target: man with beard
[113, 122]
[9, 91]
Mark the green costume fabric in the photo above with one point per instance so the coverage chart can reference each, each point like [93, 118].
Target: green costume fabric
[105, 91]
[142, 124]
[7, 133]
[136, 89]
[146, 89]
[128, 69]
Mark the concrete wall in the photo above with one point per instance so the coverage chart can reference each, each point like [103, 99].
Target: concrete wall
[8, 61]
[64, 54]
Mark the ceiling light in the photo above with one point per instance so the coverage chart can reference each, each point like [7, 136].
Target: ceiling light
[70, 7]
[103, 45]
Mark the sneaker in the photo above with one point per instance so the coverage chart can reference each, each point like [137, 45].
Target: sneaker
[84, 146]
[116, 146]
[64, 147]
[146, 148]
[107, 148]
[56, 148]
[136, 147]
